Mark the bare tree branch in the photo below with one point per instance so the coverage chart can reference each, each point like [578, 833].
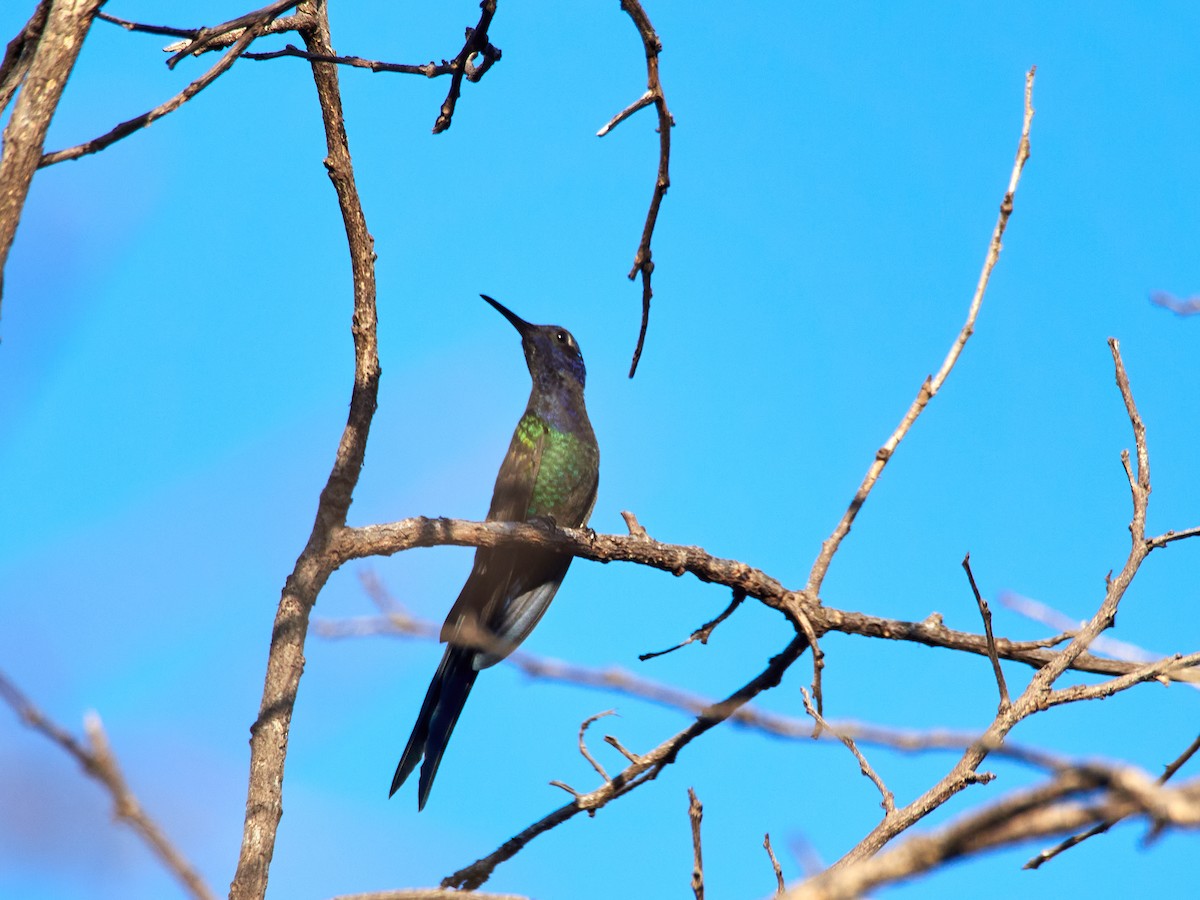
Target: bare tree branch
[644, 768]
[1044, 810]
[1177, 305]
[1039, 691]
[476, 44]
[19, 53]
[407, 534]
[129, 126]
[780, 886]
[889, 799]
[1104, 826]
[285, 662]
[932, 385]
[643, 261]
[98, 761]
[204, 37]
[46, 65]
[986, 615]
[695, 814]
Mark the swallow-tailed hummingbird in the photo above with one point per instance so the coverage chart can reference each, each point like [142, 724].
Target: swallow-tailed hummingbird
[549, 474]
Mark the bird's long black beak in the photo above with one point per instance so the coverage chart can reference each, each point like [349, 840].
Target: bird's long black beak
[517, 322]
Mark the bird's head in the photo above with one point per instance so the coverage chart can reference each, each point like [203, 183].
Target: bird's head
[551, 352]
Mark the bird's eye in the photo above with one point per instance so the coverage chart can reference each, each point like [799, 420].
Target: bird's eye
[561, 337]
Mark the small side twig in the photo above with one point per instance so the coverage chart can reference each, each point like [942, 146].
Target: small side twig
[986, 614]
[889, 799]
[780, 887]
[635, 527]
[255, 21]
[643, 261]
[622, 749]
[704, 632]
[695, 813]
[97, 760]
[476, 44]
[583, 744]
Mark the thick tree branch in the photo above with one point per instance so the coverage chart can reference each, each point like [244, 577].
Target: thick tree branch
[285, 663]
[46, 72]
[407, 534]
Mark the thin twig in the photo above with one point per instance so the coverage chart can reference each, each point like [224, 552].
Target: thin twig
[780, 886]
[646, 768]
[704, 632]
[986, 614]
[695, 813]
[476, 44]
[129, 126]
[583, 744]
[932, 385]
[889, 799]
[429, 69]
[98, 761]
[189, 33]
[643, 260]
[1171, 536]
[255, 20]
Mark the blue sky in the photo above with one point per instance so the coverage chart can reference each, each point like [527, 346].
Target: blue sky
[175, 365]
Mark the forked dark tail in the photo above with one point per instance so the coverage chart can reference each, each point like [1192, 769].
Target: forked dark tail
[439, 713]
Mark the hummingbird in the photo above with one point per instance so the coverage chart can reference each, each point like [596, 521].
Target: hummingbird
[549, 475]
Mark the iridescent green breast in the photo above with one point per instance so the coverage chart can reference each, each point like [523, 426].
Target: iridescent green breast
[566, 472]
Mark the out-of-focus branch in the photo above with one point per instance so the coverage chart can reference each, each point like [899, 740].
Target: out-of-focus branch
[285, 662]
[1104, 826]
[395, 622]
[1177, 305]
[46, 56]
[98, 761]
[643, 261]
[1047, 809]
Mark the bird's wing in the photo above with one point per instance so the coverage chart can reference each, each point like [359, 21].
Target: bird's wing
[482, 608]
